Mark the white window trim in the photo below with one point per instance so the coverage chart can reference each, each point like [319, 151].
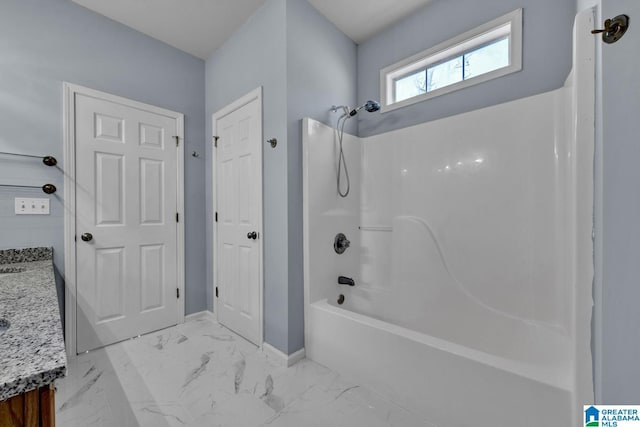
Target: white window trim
[451, 48]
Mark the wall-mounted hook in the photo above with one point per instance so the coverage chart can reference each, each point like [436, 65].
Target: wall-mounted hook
[613, 29]
[273, 142]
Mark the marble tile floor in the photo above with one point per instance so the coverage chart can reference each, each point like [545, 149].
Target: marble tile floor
[201, 374]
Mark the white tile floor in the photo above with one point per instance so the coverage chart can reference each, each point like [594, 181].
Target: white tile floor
[201, 374]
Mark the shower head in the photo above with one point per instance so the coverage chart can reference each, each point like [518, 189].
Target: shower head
[370, 106]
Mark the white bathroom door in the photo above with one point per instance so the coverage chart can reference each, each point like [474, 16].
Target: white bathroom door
[126, 221]
[238, 184]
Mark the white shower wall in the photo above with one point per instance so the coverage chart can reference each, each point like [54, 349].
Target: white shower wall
[329, 213]
[469, 207]
[460, 228]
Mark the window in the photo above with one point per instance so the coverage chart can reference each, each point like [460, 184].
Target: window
[487, 52]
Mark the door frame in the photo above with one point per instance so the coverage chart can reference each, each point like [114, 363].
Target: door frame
[255, 94]
[69, 136]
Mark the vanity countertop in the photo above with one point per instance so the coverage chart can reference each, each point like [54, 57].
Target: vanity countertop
[32, 352]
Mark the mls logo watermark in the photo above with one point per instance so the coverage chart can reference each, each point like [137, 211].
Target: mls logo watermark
[592, 417]
[611, 416]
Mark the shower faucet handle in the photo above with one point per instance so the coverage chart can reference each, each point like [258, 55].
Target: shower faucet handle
[341, 243]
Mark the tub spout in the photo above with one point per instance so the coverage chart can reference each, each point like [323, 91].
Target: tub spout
[346, 281]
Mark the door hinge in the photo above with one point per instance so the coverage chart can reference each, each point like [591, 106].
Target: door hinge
[178, 293]
[177, 217]
[215, 141]
[216, 292]
[216, 216]
[177, 140]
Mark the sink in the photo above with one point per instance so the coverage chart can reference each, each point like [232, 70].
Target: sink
[4, 270]
[4, 325]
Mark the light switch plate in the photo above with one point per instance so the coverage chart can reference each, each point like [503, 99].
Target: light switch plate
[28, 206]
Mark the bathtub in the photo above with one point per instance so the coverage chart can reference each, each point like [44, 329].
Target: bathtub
[471, 252]
[448, 384]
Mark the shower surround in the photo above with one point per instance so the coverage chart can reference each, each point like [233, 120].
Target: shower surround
[471, 252]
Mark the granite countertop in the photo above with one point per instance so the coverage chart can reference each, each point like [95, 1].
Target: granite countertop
[32, 352]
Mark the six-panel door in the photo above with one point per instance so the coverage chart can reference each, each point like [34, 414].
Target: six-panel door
[239, 192]
[126, 198]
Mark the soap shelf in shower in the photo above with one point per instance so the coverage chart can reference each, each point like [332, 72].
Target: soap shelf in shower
[375, 228]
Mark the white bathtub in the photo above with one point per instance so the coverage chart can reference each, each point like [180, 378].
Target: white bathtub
[472, 257]
[446, 383]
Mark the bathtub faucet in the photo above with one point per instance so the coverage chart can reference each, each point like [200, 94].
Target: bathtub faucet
[346, 281]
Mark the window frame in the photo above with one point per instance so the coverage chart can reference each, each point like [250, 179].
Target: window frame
[509, 25]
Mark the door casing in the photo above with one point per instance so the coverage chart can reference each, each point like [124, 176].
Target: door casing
[244, 100]
[70, 276]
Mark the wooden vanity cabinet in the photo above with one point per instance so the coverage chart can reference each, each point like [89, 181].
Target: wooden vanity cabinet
[31, 409]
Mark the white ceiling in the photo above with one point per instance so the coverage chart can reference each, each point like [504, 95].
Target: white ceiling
[201, 26]
[361, 19]
[195, 26]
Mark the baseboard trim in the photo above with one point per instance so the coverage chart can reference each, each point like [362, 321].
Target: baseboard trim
[198, 315]
[281, 358]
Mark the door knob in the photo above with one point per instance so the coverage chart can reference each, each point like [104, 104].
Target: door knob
[86, 237]
[253, 235]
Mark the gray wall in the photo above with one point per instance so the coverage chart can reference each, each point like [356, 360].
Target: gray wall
[619, 233]
[46, 42]
[321, 72]
[304, 65]
[615, 348]
[546, 57]
[256, 56]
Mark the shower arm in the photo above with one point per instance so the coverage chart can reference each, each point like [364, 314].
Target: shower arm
[345, 109]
